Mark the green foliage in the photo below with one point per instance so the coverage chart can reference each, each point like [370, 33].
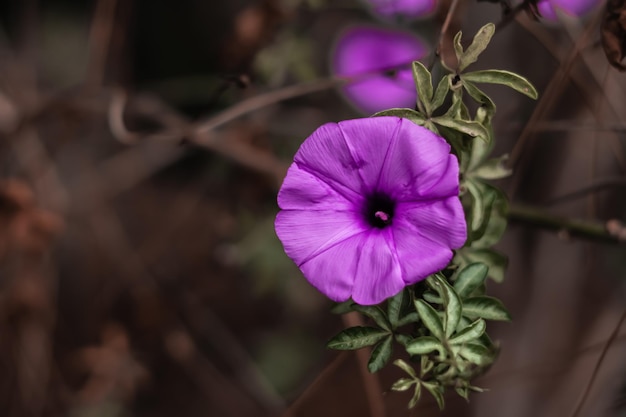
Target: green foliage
[441, 323]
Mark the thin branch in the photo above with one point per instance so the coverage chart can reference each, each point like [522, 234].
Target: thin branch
[592, 188]
[594, 374]
[371, 382]
[566, 227]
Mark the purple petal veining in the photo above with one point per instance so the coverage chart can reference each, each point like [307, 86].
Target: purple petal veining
[369, 206]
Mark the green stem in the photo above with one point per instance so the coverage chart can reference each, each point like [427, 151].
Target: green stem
[537, 217]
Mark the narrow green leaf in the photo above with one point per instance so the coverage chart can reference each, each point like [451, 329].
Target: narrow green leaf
[437, 391]
[494, 216]
[424, 345]
[507, 78]
[356, 337]
[471, 128]
[412, 317]
[458, 48]
[405, 367]
[410, 114]
[441, 92]
[470, 278]
[463, 392]
[416, 396]
[452, 304]
[480, 210]
[394, 307]
[424, 85]
[496, 261]
[482, 99]
[473, 331]
[430, 318]
[492, 169]
[380, 355]
[476, 354]
[403, 384]
[432, 298]
[342, 308]
[485, 307]
[478, 45]
[403, 339]
[425, 365]
[375, 313]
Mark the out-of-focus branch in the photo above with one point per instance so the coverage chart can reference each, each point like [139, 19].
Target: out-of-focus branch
[566, 227]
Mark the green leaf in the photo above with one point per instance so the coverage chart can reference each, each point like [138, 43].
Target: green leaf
[483, 99]
[343, 308]
[394, 307]
[425, 365]
[485, 307]
[375, 313]
[380, 355]
[414, 116]
[463, 392]
[424, 345]
[468, 127]
[403, 384]
[451, 302]
[416, 395]
[481, 207]
[356, 337]
[471, 332]
[430, 318]
[412, 317]
[478, 45]
[477, 354]
[496, 261]
[405, 367]
[432, 298]
[440, 93]
[424, 85]
[487, 218]
[470, 278]
[403, 339]
[437, 391]
[507, 78]
[492, 169]
[458, 48]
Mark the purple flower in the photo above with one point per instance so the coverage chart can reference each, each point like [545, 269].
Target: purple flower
[406, 8]
[547, 8]
[379, 63]
[370, 206]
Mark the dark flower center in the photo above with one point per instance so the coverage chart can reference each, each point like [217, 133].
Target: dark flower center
[379, 210]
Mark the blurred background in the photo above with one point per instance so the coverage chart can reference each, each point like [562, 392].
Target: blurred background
[142, 144]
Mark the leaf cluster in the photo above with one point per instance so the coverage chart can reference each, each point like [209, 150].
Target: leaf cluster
[441, 323]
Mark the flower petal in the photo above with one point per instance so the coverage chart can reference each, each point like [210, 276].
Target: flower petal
[378, 274]
[302, 190]
[419, 166]
[326, 154]
[305, 233]
[332, 271]
[375, 93]
[369, 140]
[424, 234]
[377, 60]
[441, 222]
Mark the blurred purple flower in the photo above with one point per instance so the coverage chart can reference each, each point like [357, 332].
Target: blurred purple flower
[370, 206]
[547, 8]
[379, 60]
[406, 8]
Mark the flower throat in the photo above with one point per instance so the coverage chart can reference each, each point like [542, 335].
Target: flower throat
[379, 210]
